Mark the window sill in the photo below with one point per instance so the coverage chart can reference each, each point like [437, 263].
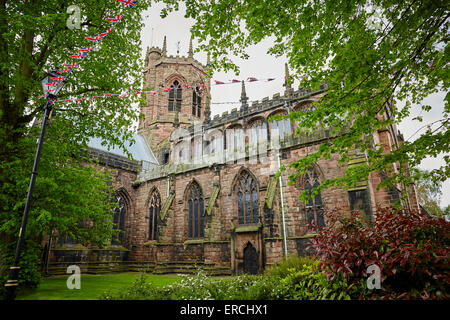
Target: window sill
[248, 228]
[193, 241]
[150, 243]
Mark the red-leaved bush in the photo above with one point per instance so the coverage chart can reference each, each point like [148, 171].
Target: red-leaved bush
[411, 250]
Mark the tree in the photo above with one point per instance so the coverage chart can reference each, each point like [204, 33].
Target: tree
[34, 39]
[377, 57]
[428, 192]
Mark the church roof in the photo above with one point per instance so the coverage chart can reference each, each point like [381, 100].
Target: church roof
[139, 149]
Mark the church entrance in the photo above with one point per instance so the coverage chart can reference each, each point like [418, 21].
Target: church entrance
[250, 260]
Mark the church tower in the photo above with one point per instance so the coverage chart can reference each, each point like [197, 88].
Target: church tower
[183, 93]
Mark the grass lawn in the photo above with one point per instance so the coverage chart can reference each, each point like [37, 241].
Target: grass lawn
[92, 286]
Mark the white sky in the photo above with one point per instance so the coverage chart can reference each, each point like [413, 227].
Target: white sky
[261, 66]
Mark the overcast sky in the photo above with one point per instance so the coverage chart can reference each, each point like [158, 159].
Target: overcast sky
[262, 66]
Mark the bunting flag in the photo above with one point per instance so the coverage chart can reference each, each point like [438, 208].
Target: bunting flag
[78, 56]
[93, 39]
[85, 49]
[249, 79]
[72, 65]
[139, 91]
[129, 3]
[115, 19]
[104, 34]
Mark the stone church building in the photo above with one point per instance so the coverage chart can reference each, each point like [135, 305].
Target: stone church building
[201, 192]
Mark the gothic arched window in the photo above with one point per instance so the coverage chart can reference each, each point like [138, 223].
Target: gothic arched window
[283, 126]
[258, 131]
[196, 103]
[235, 138]
[195, 212]
[120, 212]
[247, 197]
[175, 97]
[155, 208]
[314, 207]
[197, 147]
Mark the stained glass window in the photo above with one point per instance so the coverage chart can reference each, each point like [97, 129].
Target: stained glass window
[258, 131]
[247, 195]
[119, 219]
[314, 207]
[196, 212]
[283, 126]
[155, 208]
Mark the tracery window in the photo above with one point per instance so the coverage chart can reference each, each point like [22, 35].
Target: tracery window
[182, 152]
[283, 126]
[247, 197]
[314, 208]
[155, 208]
[216, 143]
[258, 131]
[197, 147]
[196, 103]
[119, 215]
[175, 97]
[195, 212]
[235, 138]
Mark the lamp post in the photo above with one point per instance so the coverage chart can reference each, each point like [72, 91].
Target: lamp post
[12, 283]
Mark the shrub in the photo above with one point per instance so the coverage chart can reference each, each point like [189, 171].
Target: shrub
[308, 283]
[201, 287]
[283, 268]
[411, 250]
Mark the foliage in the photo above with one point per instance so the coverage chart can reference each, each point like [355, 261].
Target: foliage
[378, 59]
[284, 267]
[297, 278]
[66, 193]
[307, 283]
[201, 287]
[411, 250]
[35, 39]
[428, 191]
[55, 288]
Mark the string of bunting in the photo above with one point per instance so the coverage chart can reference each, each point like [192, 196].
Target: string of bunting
[69, 68]
[155, 92]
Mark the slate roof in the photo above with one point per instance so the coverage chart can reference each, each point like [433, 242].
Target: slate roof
[139, 150]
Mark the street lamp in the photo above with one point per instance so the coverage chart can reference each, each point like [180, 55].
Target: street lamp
[52, 88]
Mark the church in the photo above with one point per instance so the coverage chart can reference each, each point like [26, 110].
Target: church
[202, 192]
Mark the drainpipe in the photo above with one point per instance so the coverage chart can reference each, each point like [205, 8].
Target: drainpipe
[282, 209]
[168, 186]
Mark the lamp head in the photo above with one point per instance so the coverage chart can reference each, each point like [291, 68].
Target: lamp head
[51, 86]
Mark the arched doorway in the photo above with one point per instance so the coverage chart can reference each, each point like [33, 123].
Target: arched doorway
[250, 259]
